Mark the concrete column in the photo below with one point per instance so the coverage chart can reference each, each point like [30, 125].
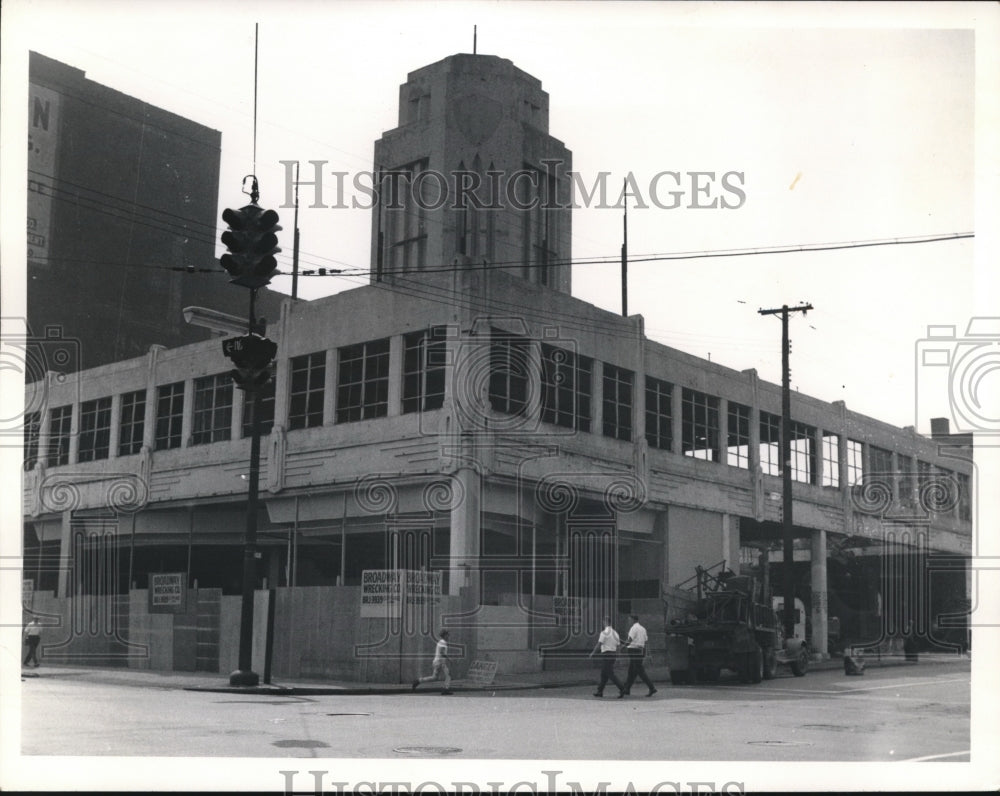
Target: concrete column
[65, 553]
[597, 400]
[730, 553]
[116, 424]
[149, 418]
[676, 411]
[282, 379]
[845, 489]
[818, 463]
[463, 574]
[722, 436]
[464, 542]
[44, 428]
[187, 419]
[639, 382]
[661, 527]
[74, 434]
[282, 367]
[395, 397]
[329, 387]
[817, 578]
[238, 413]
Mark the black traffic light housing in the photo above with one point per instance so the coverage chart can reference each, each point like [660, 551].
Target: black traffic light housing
[252, 242]
[252, 355]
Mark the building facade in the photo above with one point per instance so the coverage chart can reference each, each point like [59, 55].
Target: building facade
[539, 461]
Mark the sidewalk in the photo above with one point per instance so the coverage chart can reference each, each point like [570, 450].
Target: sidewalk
[219, 683]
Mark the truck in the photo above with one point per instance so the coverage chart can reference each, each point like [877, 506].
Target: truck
[720, 620]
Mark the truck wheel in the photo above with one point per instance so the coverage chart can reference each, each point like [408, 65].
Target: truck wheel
[770, 664]
[801, 664]
[678, 676]
[744, 666]
[755, 663]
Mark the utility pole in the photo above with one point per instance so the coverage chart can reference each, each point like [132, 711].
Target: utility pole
[295, 239]
[625, 249]
[787, 528]
[379, 241]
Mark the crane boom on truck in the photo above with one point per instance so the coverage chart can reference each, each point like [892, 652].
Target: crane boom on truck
[720, 620]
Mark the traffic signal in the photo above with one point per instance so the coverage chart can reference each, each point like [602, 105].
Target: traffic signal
[252, 355]
[252, 242]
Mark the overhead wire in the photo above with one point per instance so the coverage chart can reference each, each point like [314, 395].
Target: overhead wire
[168, 221]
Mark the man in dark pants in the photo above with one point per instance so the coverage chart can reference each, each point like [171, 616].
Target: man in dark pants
[32, 636]
[607, 644]
[637, 640]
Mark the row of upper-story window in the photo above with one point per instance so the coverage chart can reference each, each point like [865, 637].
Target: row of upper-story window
[566, 400]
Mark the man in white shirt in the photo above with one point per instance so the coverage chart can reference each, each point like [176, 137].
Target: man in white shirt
[637, 640]
[607, 644]
[439, 668]
[32, 637]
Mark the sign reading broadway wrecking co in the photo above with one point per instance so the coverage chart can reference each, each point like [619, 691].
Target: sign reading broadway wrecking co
[383, 591]
[167, 592]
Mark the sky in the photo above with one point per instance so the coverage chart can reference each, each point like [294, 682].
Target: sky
[842, 130]
[849, 123]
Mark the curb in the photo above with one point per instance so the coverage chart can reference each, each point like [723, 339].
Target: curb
[571, 680]
[402, 688]
[833, 664]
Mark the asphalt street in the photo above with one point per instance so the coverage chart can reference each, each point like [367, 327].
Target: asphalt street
[891, 714]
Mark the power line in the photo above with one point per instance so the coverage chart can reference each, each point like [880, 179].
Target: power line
[173, 222]
[695, 255]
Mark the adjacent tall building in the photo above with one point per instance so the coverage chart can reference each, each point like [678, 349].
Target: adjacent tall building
[122, 212]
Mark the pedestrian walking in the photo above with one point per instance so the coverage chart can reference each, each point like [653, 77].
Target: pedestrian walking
[32, 637]
[439, 668]
[636, 649]
[607, 644]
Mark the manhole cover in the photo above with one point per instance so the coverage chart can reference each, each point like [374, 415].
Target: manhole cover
[702, 712]
[299, 744]
[779, 743]
[427, 750]
[348, 714]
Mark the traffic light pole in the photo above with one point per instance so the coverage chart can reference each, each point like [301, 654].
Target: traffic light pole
[252, 243]
[787, 526]
[245, 675]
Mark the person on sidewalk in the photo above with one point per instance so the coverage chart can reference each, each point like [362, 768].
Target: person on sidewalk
[637, 640]
[607, 644]
[439, 668]
[32, 637]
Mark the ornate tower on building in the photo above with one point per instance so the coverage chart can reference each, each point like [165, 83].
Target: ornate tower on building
[472, 177]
